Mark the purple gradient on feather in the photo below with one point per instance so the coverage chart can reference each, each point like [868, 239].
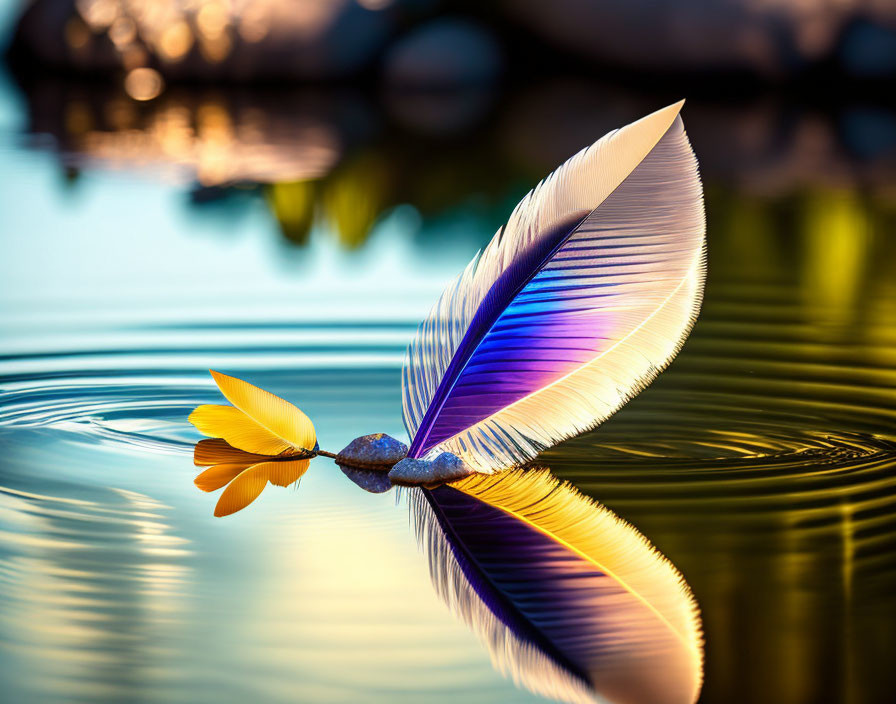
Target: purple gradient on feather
[552, 310]
[503, 291]
[528, 581]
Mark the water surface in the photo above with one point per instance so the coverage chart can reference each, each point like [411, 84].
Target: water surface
[761, 463]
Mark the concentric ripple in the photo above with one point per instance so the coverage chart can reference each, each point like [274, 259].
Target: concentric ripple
[101, 388]
[762, 463]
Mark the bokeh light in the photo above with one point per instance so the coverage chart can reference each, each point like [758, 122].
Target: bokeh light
[143, 83]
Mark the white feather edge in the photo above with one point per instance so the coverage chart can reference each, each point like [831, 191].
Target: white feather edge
[581, 184]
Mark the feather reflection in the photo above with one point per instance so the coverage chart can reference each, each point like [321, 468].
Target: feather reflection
[572, 602]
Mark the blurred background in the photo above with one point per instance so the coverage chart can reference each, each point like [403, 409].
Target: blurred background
[280, 189]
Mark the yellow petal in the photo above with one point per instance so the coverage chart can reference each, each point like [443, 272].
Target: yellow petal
[286, 473]
[250, 482]
[238, 429]
[278, 417]
[215, 477]
[243, 490]
[218, 451]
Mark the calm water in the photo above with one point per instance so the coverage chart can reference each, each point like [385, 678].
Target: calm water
[762, 463]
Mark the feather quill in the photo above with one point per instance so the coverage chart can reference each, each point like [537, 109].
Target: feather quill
[571, 601]
[577, 303]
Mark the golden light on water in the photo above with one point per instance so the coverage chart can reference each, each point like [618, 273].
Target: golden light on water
[206, 139]
[98, 13]
[143, 84]
[837, 238]
[133, 56]
[215, 49]
[212, 19]
[123, 31]
[175, 41]
[78, 119]
[170, 29]
[255, 23]
[353, 199]
[375, 4]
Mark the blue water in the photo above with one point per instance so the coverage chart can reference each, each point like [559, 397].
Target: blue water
[761, 463]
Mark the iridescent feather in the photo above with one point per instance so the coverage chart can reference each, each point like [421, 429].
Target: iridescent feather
[578, 302]
[571, 601]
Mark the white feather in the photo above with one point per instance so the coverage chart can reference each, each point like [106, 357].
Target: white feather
[653, 309]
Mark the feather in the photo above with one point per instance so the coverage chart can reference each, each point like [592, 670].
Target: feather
[572, 602]
[243, 490]
[237, 429]
[218, 476]
[286, 473]
[217, 451]
[260, 422]
[577, 303]
[250, 482]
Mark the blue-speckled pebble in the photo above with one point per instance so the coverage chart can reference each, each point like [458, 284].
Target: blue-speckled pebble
[378, 448]
[444, 468]
[411, 472]
[447, 467]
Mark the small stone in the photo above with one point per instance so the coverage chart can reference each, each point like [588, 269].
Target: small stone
[448, 467]
[376, 449]
[376, 482]
[411, 472]
[415, 472]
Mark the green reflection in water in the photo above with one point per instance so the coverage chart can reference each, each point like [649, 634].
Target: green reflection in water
[763, 462]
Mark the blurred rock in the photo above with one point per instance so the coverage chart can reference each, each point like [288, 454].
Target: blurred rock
[444, 53]
[439, 112]
[868, 50]
[208, 39]
[378, 448]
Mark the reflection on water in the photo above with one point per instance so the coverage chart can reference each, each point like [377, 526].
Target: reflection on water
[761, 463]
[206, 39]
[210, 136]
[90, 631]
[571, 601]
